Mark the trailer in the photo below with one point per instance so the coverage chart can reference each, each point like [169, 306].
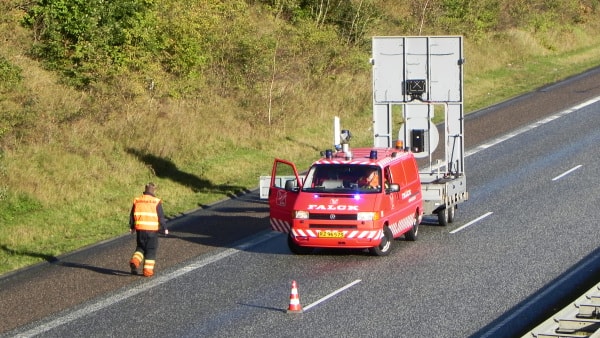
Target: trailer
[417, 82]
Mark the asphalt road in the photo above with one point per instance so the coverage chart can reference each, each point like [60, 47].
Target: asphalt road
[206, 286]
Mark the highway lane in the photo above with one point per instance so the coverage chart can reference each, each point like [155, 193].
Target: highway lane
[534, 196]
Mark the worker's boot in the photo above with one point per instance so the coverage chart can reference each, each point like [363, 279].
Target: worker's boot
[135, 262]
[148, 268]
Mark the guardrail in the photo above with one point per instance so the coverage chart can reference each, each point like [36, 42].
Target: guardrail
[580, 318]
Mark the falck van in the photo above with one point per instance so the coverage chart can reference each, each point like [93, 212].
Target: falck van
[362, 198]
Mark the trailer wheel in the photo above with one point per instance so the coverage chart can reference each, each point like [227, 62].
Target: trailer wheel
[451, 213]
[411, 235]
[297, 249]
[443, 217]
[384, 248]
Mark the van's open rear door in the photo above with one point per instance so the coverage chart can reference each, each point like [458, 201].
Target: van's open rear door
[283, 192]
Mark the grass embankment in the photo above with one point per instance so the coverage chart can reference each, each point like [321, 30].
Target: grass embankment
[69, 174]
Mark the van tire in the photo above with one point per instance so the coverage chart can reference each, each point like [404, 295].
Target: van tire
[412, 234]
[297, 249]
[385, 247]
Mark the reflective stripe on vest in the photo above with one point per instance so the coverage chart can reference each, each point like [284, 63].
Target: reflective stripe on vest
[144, 213]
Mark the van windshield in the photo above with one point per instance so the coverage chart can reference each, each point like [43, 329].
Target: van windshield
[343, 178]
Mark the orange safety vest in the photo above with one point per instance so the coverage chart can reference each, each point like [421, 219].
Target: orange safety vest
[144, 213]
[374, 182]
[371, 181]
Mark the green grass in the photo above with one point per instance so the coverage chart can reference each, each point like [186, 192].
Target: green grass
[78, 157]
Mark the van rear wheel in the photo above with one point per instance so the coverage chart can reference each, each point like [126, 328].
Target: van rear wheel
[411, 235]
[387, 241]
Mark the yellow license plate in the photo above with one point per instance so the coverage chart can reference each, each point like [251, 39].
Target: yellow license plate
[330, 234]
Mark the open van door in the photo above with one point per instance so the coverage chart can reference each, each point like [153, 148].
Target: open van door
[283, 192]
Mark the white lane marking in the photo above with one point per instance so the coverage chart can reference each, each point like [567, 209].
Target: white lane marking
[566, 173]
[472, 222]
[531, 126]
[332, 294]
[128, 293]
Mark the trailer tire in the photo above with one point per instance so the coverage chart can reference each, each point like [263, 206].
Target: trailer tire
[412, 234]
[385, 247]
[297, 249]
[451, 213]
[443, 217]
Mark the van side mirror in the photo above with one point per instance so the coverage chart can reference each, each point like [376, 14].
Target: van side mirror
[290, 185]
[393, 188]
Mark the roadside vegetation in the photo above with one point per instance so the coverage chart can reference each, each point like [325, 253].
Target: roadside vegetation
[99, 97]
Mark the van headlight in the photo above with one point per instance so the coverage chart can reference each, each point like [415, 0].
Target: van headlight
[367, 216]
[300, 214]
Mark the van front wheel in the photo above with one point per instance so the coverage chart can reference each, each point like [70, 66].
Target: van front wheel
[387, 241]
[297, 249]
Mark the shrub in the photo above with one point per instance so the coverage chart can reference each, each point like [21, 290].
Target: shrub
[86, 39]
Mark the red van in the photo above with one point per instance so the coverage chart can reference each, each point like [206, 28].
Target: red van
[359, 199]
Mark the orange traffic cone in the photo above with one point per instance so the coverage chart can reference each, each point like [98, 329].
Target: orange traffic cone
[295, 306]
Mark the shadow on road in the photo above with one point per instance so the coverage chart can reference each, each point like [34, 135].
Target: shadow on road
[55, 261]
[94, 268]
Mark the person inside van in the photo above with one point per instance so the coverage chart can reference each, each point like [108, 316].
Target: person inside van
[370, 180]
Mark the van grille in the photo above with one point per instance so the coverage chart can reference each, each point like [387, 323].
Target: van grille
[333, 226]
[334, 217]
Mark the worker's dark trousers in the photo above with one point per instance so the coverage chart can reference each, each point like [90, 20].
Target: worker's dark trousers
[147, 243]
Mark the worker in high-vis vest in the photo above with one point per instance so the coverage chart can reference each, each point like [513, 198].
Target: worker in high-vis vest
[146, 220]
